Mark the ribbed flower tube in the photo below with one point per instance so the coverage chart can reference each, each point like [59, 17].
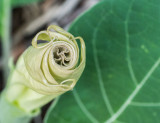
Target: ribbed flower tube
[47, 69]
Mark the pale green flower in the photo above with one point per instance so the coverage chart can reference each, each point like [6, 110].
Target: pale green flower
[46, 70]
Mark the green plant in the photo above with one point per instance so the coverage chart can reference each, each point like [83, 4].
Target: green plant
[121, 80]
[43, 72]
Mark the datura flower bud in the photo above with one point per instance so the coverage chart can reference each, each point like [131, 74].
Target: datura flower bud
[46, 69]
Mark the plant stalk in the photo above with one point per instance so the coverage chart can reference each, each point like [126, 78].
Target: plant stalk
[6, 35]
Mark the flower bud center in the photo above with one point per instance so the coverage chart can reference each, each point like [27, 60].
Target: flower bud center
[61, 55]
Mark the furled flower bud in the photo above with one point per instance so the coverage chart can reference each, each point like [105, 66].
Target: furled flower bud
[46, 70]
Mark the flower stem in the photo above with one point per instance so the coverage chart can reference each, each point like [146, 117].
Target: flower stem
[5, 28]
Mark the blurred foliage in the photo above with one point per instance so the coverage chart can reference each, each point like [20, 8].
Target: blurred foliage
[16, 3]
[1, 16]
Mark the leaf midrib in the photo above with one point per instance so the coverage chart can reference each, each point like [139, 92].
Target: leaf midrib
[138, 86]
[134, 93]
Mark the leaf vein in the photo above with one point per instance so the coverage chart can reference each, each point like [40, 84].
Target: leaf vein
[138, 86]
[101, 82]
[83, 108]
[128, 47]
[145, 104]
[134, 93]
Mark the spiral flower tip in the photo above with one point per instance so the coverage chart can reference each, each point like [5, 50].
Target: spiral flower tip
[59, 62]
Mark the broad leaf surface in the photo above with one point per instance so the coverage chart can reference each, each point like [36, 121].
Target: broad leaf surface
[121, 82]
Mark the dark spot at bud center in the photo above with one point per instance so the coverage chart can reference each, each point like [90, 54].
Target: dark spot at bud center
[61, 55]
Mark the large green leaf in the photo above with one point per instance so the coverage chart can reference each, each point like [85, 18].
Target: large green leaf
[121, 82]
